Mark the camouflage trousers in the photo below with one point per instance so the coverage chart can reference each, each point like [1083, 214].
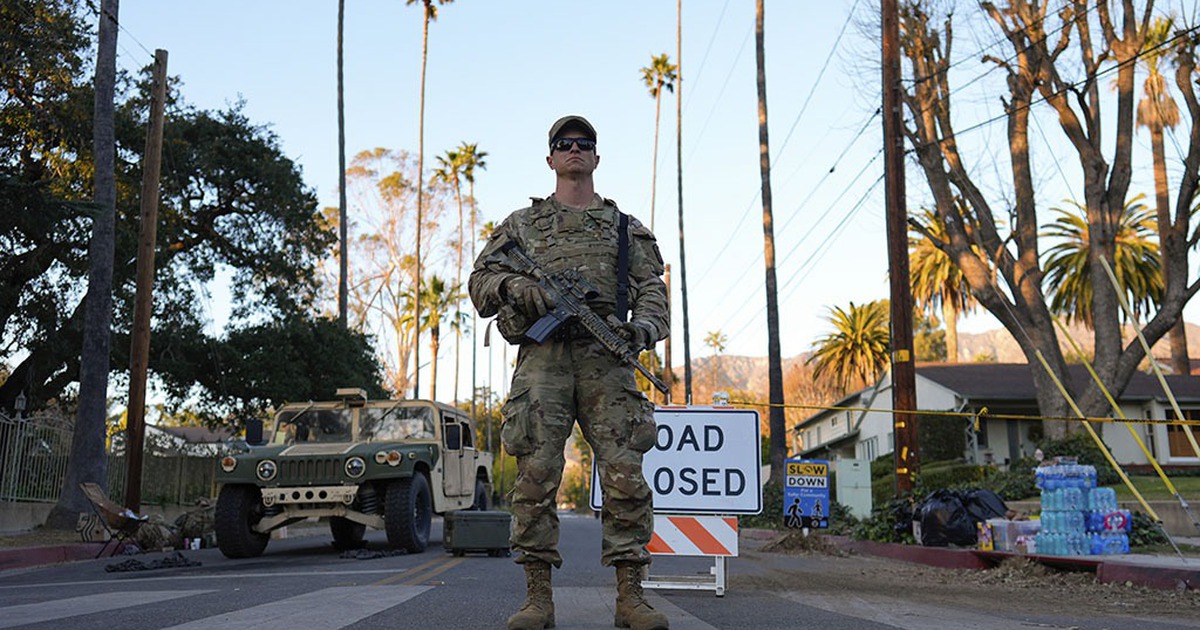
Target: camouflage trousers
[555, 385]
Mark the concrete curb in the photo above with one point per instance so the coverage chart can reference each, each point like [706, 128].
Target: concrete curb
[25, 557]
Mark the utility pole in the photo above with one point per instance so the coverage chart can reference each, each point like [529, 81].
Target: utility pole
[687, 343]
[139, 361]
[904, 395]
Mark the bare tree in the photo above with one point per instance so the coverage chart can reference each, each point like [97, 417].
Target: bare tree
[1003, 268]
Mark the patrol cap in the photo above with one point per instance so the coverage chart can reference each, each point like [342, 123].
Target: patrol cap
[578, 122]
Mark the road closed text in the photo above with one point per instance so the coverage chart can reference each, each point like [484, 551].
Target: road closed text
[692, 480]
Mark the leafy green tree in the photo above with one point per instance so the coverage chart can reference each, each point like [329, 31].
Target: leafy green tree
[856, 352]
[298, 357]
[659, 75]
[929, 342]
[1135, 261]
[936, 281]
[716, 340]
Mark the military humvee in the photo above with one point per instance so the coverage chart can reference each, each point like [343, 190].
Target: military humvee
[385, 464]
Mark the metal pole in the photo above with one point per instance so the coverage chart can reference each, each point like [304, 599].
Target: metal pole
[140, 352]
[904, 396]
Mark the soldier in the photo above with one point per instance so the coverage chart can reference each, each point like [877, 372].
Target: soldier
[571, 377]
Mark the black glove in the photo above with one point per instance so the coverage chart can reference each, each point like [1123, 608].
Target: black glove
[528, 296]
[639, 334]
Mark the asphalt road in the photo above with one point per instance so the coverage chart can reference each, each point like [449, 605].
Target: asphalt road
[302, 582]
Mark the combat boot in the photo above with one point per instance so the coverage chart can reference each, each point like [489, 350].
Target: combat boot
[538, 611]
[632, 609]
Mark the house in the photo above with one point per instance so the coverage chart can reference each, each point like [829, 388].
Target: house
[860, 425]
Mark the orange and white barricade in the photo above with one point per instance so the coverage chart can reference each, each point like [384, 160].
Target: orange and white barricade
[682, 535]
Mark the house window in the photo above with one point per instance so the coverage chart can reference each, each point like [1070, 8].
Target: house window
[869, 449]
[1177, 441]
[981, 436]
[836, 420]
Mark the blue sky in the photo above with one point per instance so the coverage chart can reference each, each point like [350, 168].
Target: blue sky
[500, 72]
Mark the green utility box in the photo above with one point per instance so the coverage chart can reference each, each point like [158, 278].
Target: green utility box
[478, 531]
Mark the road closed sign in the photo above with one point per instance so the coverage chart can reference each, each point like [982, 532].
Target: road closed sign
[706, 460]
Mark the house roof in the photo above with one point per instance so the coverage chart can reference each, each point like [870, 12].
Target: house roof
[199, 435]
[1014, 382]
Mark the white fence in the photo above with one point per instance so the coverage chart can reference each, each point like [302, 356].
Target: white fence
[33, 464]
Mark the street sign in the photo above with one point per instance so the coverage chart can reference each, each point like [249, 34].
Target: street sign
[706, 460]
[806, 493]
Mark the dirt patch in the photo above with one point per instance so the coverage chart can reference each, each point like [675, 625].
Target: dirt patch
[1016, 584]
[796, 542]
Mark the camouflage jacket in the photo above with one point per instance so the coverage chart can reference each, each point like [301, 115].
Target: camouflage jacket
[559, 237]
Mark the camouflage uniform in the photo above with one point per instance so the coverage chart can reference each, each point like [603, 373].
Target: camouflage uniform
[572, 377]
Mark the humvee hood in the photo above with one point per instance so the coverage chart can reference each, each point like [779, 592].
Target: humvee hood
[339, 448]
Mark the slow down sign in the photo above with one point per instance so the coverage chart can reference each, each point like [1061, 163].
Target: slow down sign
[707, 460]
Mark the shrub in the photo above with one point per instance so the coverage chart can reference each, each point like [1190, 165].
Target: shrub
[1145, 532]
[771, 516]
[1081, 446]
[889, 522]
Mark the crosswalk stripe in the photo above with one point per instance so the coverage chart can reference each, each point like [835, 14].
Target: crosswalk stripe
[329, 608]
[22, 614]
[593, 607]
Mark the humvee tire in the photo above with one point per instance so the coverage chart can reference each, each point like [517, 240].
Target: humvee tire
[347, 534]
[408, 512]
[239, 507]
[481, 496]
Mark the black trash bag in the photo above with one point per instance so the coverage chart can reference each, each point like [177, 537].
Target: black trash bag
[945, 521]
[984, 504]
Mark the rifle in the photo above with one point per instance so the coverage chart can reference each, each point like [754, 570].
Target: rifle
[571, 291]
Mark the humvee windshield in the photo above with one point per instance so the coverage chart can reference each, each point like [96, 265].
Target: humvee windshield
[313, 425]
[390, 424]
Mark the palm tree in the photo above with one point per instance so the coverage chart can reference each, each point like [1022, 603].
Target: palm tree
[449, 172]
[343, 284]
[774, 355]
[716, 340]
[936, 280]
[440, 300]
[658, 75]
[1157, 111]
[472, 159]
[430, 15]
[856, 352]
[1135, 261]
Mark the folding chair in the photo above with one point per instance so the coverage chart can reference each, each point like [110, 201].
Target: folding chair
[121, 523]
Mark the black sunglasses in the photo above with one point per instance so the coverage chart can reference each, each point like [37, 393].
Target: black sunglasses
[564, 144]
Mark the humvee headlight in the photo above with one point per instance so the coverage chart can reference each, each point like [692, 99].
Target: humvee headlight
[228, 463]
[381, 457]
[394, 458]
[355, 467]
[266, 470]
